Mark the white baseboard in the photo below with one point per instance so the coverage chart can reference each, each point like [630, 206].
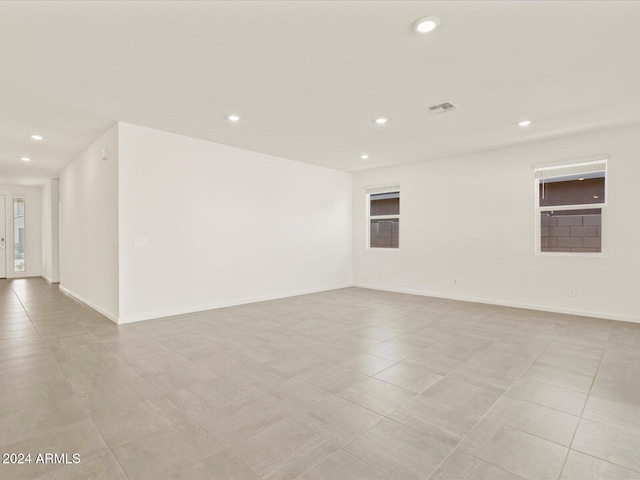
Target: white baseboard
[506, 303]
[109, 315]
[213, 306]
[223, 304]
[57, 282]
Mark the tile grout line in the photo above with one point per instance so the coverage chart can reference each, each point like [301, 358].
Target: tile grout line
[283, 414]
[387, 417]
[38, 306]
[585, 405]
[287, 416]
[163, 395]
[399, 423]
[545, 406]
[228, 450]
[75, 395]
[489, 410]
[384, 417]
[224, 447]
[90, 418]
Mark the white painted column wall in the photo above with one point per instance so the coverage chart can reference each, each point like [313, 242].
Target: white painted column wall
[89, 226]
[50, 231]
[204, 225]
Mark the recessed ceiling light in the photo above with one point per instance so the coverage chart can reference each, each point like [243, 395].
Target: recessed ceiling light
[234, 118]
[524, 123]
[426, 24]
[381, 120]
[37, 137]
[25, 159]
[364, 156]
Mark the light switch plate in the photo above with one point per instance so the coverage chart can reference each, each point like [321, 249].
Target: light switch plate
[141, 242]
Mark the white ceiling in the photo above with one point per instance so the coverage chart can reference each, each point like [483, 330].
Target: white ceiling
[308, 78]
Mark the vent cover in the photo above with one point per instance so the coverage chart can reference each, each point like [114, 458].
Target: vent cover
[442, 108]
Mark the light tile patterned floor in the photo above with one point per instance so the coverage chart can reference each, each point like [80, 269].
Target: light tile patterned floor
[348, 384]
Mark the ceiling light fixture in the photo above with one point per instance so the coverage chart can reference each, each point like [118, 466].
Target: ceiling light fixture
[37, 137]
[234, 118]
[381, 120]
[25, 159]
[524, 123]
[580, 179]
[426, 24]
[596, 196]
[364, 156]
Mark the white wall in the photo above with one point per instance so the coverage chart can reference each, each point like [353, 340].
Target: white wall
[89, 226]
[50, 230]
[224, 226]
[33, 229]
[472, 218]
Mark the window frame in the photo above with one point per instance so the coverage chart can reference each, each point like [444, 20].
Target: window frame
[378, 191]
[22, 199]
[538, 210]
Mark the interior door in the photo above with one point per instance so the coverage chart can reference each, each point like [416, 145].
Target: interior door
[3, 238]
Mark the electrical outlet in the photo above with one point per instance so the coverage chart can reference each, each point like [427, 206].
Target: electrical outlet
[455, 281]
[573, 291]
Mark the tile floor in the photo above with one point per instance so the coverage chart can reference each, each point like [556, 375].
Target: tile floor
[348, 384]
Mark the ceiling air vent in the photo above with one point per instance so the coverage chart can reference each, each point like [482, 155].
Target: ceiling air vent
[443, 107]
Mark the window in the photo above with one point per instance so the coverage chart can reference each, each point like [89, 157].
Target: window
[384, 218]
[571, 203]
[18, 235]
